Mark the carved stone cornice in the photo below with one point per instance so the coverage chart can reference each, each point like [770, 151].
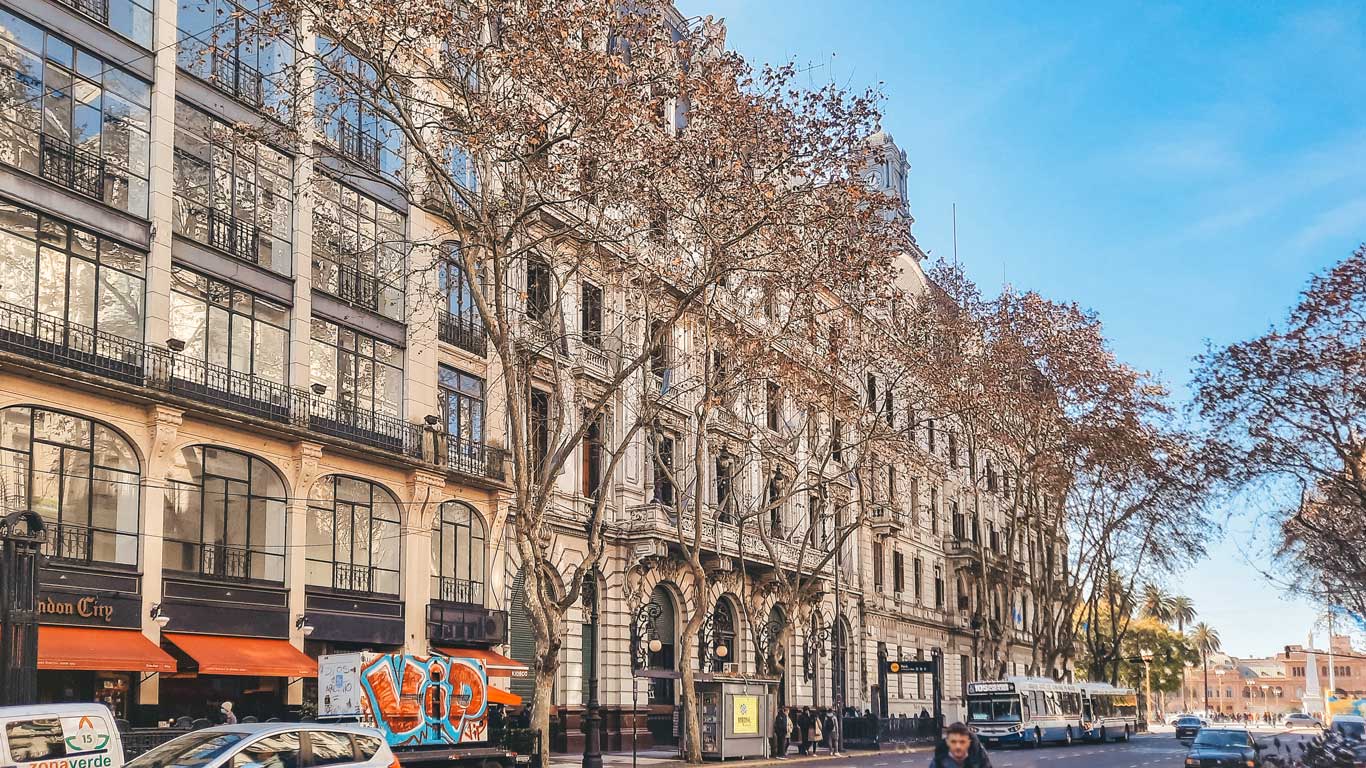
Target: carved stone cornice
[163, 429]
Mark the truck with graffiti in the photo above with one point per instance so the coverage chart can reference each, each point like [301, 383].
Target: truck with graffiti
[429, 708]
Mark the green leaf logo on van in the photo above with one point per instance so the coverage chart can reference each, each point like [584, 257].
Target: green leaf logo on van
[87, 736]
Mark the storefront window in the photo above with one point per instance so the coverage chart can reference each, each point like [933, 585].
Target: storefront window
[81, 476]
[358, 248]
[458, 543]
[73, 118]
[359, 371]
[232, 192]
[224, 516]
[229, 329]
[353, 536]
[226, 44]
[70, 274]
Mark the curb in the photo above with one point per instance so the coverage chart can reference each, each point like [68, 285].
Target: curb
[768, 762]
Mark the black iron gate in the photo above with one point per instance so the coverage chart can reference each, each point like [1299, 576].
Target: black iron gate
[21, 541]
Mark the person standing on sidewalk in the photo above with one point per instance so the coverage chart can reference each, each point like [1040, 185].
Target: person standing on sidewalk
[781, 729]
[959, 749]
[804, 730]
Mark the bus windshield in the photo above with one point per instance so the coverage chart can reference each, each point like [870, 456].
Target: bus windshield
[996, 709]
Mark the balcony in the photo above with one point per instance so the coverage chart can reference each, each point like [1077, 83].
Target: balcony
[237, 237]
[961, 548]
[378, 430]
[886, 520]
[352, 578]
[240, 80]
[95, 9]
[357, 288]
[449, 590]
[70, 167]
[464, 332]
[466, 625]
[74, 347]
[225, 562]
[83, 545]
[658, 521]
[358, 145]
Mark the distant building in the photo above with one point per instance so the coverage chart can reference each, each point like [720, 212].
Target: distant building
[1279, 684]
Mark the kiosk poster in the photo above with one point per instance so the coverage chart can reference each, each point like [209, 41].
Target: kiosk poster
[744, 715]
[339, 685]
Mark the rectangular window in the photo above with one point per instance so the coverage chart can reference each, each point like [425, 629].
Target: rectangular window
[898, 571]
[724, 469]
[887, 411]
[871, 386]
[772, 405]
[934, 510]
[590, 315]
[130, 18]
[592, 451]
[878, 560]
[661, 462]
[929, 436]
[916, 567]
[891, 484]
[938, 588]
[964, 672]
[73, 118]
[659, 352]
[920, 679]
[540, 426]
[359, 248]
[35, 740]
[900, 679]
[361, 373]
[353, 121]
[539, 282]
[74, 280]
[953, 450]
[462, 405]
[219, 42]
[457, 290]
[231, 192]
[836, 440]
[232, 338]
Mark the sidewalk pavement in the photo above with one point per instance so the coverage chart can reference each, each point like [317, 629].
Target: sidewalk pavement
[668, 758]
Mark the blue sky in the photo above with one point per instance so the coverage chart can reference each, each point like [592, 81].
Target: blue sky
[1181, 169]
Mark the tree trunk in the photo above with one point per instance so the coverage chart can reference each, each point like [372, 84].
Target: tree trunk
[542, 702]
[687, 651]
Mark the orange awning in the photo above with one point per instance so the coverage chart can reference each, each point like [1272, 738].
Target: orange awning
[497, 664]
[219, 655]
[500, 696]
[104, 650]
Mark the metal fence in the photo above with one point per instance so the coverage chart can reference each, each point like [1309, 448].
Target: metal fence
[872, 732]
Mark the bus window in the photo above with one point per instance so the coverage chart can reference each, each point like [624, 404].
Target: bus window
[1001, 709]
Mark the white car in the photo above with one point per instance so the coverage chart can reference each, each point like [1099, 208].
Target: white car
[272, 745]
[1301, 720]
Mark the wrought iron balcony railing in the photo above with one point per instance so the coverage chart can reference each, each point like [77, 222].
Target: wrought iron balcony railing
[461, 624]
[352, 578]
[451, 590]
[73, 168]
[38, 336]
[358, 145]
[237, 237]
[67, 542]
[238, 79]
[357, 287]
[95, 9]
[467, 333]
[225, 562]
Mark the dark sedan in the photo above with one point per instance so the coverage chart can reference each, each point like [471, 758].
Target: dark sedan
[1187, 728]
[1220, 747]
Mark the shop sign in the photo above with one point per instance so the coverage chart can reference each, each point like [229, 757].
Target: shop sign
[88, 610]
[744, 714]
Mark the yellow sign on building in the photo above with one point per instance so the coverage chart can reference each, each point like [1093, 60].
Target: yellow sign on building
[744, 714]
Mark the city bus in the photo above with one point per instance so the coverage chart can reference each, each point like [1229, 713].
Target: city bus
[1030, 711]
[1108, 712]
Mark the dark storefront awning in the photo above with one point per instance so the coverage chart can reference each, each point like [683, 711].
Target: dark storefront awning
[100, 650]
[255, 656]
[497, 664]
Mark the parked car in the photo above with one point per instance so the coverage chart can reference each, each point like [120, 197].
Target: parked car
[1216, 747]
[272, 745]
[52, 733]
[1301, 720]
[1172, 720]
[1187, 727]
[1350, 727]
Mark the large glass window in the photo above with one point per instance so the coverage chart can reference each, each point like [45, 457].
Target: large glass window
[456, 287]
[72, 117]
[224, 43]
[351, 118]
[353, 536]
[224, 516]
[462, 404]
[359, 371]
[79, 475]
[228, 329]
[130, 18]
[70, 274]
[231, 192]
[358, 248]
[458, 542]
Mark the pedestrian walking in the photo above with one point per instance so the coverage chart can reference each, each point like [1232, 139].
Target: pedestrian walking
[814, 733]
[781, 729]
[829, 728]
[794, 733]
[959, 749]
[225, 715]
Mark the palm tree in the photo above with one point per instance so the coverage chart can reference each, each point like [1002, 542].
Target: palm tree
[1206, 641]
[1156, 603]
[1182, 612]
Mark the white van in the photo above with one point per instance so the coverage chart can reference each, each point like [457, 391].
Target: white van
[59, 736]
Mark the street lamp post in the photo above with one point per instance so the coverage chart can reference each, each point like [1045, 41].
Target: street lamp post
[1219, 679]
[592, 722]
[641, 648]
[1147, 657]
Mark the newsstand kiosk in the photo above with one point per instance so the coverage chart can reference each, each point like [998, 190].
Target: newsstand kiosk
[737, 717]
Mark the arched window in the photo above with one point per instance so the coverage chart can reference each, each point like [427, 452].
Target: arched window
[662, 689]
[353, 536]
[718, 640]
[79, 475]
[458, 542]
[224, 516]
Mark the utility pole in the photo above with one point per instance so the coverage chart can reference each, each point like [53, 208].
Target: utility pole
[592, 721]
[836, 738]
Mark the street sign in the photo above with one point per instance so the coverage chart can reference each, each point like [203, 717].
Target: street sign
[913, 666]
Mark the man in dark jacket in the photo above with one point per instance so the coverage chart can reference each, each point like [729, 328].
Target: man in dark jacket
[781, 728]
[959, 749]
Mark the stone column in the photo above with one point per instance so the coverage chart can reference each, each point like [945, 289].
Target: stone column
[301, 318]
[303, 471]
[161, 176]
[425, 492]
[163, 428]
